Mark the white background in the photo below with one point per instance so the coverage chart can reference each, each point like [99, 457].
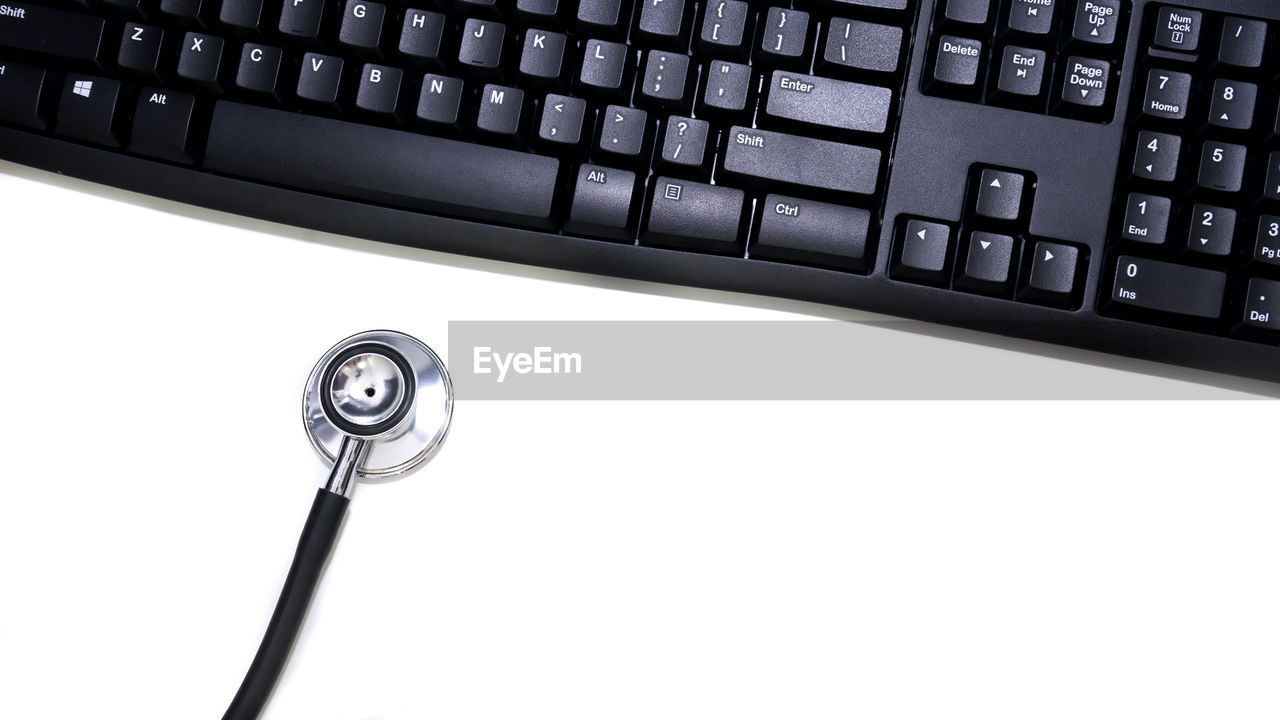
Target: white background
[582, 560]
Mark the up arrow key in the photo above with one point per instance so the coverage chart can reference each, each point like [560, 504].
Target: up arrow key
[995, 183]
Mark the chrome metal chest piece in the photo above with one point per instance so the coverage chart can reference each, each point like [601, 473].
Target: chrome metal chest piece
[383, 386]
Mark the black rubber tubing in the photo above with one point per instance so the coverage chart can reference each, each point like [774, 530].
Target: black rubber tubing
[314, 546]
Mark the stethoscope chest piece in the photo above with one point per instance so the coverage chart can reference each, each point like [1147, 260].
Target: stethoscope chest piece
[380, 385]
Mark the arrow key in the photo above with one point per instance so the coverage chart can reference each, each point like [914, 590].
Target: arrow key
[1000, 194]
[922, 252]
[562, 120]
[987, 264]
[1054, 274]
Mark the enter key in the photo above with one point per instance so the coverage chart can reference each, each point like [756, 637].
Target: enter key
[828, 102]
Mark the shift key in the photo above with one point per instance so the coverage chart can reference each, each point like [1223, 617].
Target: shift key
[820, 164]
[37, 29]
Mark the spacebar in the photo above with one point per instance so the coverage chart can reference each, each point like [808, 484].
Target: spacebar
[382, 166]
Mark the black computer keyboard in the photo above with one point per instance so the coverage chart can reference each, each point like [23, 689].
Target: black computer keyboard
[1097, 173]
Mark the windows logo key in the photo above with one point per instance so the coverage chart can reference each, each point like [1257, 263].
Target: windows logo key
[83, 88]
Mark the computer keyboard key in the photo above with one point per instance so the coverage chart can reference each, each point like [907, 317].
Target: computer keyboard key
[1085, 83]
[1169, 288]
[162, 125]
[987, 263]
[828, 102]
[1146, 218]
[1233, 104]
[662, 20]
[481, 45]
[1033, 17]
[957, 62]
[923, 251]
[361, 24]
[1054, 273]
[1157, 156]
[26, 97]
[1262, 305]
[783, 34]
[1272, 189]
[973, 12]
[666, 78]
[684, 145]
[25, 26]
[811, 232]
[1021, 72]
[1212, 230]
[602, 203]
[541, 9]
[379, 90]
[259, 68]
[600, 15]
[603, 65]
[724, 25]
[859, 45]
[820, 164]
[319, 78]
[623, 130]
[1096, 21]
[301, 18]
[182, 8]
[1000, 194]
[1243, 42]
[87, 109]
[367, 163]
[200, 58]
[501, 110]
[562, 119]
[422, 34]
[1167, 94]
[693, 215]
[1178, 29]
[543, 54]
[140, 48]
[1222, 166]
[1266, 249]
[243, 14]
[440, 100]
[728, 86]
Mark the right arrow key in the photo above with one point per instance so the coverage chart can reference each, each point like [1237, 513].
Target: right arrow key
[1054, 275]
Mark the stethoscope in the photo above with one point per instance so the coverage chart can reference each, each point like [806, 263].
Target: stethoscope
[377, 405]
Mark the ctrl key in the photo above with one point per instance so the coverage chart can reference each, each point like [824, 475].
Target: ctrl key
[695, 216]
[24, 98]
